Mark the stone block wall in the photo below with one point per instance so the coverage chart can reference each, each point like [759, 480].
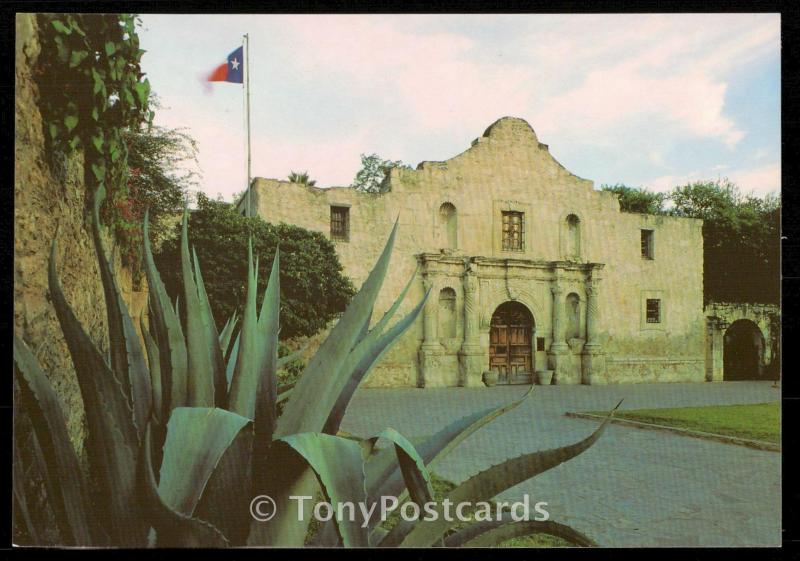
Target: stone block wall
[50, 203]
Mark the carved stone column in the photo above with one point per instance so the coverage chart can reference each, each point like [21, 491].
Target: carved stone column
[430, 317]
[471, 334]
[471, 356]
[592, 289]
[593, 357]
[430, 350]
[559, 344]
[557, 355]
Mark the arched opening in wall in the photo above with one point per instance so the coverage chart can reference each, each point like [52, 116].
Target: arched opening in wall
[742, 352]
[573, 309]
[510, 339]
[447, 313]
[573, 236]
[448, 225]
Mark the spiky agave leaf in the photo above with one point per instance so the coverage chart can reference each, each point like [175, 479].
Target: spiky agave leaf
[113, 442]
[226, 498]
[226, 334]
[66, 488]
[199, 347]
[378, 328]
[416, 477]
[317, 385]
[206, 469]
[260, 338]
[341, 480]
[232, 360]
[20, 511]
[127, 356]
[288, 475]
[491, 533]
[417, 481]
[309, 407]
[154, 366]
[384, 477]
[167, 332]
[247, 348]
[266, 389]
[215, 350]
[488, 483]
[197, 437]
[415, 473]
[173, 529]
[361, 360]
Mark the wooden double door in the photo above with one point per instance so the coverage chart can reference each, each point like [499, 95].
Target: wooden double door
[510, 340]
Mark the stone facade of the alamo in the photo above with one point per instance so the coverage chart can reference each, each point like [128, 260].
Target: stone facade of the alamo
[533, 273]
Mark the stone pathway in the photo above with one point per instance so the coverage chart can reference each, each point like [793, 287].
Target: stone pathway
[633, 487]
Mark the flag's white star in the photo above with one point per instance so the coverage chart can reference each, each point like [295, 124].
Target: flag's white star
[235, 64]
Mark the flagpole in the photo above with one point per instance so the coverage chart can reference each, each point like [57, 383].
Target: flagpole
[247, 104]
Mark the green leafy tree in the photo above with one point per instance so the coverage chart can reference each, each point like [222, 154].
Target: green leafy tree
[302, 178]
[637, 199]
[162, 169]
[372, 175]
[741, 240]
[313, 288]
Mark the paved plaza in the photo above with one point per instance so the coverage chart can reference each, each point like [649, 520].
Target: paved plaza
[633, 487]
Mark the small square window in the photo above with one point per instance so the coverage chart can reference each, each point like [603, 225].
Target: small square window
[653, 310]
[340, 223]
[540, 343]
[647, 244]
[513, 231]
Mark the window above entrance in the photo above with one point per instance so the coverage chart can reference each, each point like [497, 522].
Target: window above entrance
[513, 230]
[653, 310]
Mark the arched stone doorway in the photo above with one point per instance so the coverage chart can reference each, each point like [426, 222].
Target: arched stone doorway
[511, 334]
[743, 351]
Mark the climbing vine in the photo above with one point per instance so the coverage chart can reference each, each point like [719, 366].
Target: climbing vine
[92, 91]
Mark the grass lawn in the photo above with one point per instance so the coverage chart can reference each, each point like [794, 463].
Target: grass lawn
[760, 421]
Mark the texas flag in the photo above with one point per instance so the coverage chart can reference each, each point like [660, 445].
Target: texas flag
[231, 71]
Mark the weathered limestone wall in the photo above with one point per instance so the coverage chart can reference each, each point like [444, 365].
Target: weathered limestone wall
[44, 201]
[509, 169]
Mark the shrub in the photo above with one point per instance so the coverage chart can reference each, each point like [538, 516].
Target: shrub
[313, 288]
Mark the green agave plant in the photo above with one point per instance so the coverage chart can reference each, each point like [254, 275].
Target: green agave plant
[183, 433]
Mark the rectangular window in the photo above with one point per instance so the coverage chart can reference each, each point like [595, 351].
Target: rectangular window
[340, 223]
[513, 231]
[540, 343]
[653, 310]
[647, 244]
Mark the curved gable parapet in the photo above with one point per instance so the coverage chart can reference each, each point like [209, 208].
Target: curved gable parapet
[511, 128]
[507, 141]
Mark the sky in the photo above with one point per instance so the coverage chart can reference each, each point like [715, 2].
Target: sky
[646, 100]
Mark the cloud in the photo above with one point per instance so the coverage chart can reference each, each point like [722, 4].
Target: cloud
[421, 87]
[760, 180]
[673, 72]
[434, 78]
